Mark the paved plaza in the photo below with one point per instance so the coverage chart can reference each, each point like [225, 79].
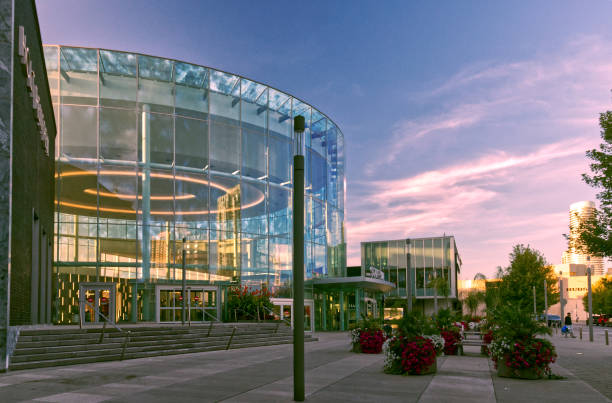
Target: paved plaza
[333, 374]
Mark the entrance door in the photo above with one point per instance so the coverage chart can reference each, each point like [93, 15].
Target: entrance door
[283, 310]
[97, 302]
[200, 304]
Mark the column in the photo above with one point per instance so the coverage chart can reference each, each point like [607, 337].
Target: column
[342, 310]
[146, 210]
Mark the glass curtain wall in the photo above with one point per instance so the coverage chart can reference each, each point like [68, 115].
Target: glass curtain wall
[156, 157]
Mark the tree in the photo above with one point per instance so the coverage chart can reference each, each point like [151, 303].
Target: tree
[528, 268]
[595, 234]
[602, 297]
[480, 276]
[473, 301]
[440, 287]
[499, 272]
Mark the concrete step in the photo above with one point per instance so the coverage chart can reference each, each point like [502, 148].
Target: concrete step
[115, 357]
[51, 347]
[115, 348]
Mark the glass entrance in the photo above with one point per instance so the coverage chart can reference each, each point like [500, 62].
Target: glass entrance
[97, 302]
[200, 304]
[283, 310]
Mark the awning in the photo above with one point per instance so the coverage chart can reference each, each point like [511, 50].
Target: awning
[345, 283]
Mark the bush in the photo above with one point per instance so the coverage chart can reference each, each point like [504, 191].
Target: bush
[245, 303]
[367, 336]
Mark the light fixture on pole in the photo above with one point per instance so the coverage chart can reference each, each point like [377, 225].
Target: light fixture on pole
[561, 296]
[590, 297]
[299, 126]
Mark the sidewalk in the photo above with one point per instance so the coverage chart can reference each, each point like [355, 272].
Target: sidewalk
[264, 374]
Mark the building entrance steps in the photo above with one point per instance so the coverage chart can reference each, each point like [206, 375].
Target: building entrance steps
[54, 346]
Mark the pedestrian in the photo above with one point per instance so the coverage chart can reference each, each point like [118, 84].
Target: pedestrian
[568, 324]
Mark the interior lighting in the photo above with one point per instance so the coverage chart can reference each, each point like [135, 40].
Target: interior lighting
[236, 172]
[285, 183]
[133, 197]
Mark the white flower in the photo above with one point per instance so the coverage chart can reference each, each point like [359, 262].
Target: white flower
[437, 340]
[390, 357]
[355, 333]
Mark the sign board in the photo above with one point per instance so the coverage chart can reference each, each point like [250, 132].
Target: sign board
[373, 272]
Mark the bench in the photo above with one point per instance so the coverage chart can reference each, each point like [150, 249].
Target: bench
[473, 339]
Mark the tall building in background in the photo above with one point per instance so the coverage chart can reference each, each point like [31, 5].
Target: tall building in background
[580, 212]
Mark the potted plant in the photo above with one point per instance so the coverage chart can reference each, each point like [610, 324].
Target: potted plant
[515, 349]
[409, 352]
[367, 336]
[449, 330]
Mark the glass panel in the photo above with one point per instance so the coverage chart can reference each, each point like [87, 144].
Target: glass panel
[254, 153]
[318, 136]
[318, 168]
[280, 211]
[118, 84]
[155, 83]
[79, 132]
[225, 95]
[280, 113]
[279, 160]
[165, 300]
[51, 62]
[191, 142]
[225, 147]
[118, 137]
[104, 305]
[161, 142]
[307, 318]
[79, 76]
[90, 313]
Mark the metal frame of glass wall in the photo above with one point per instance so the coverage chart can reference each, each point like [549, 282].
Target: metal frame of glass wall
[420, 258]
[151, 151]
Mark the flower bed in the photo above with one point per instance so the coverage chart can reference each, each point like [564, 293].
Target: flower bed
[452, 340]
[368, 341]
[415, 356]
[438, 342]
[527, 359]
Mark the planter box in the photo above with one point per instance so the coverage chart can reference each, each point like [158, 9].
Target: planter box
[523, 373]
[432, 369]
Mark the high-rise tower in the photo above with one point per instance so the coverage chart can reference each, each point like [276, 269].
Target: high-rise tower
[580, 212]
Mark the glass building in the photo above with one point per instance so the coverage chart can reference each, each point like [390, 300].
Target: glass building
[412, 264]
[156, 157]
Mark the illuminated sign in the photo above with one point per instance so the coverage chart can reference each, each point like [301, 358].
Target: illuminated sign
[26, 61]
[373, 272]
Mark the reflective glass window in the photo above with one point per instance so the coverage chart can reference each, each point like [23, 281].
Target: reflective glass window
[156, 85]
[191, 200]
[79, 76]
[280, 113]
[118, 137]
[318, 133]
[191, 142]
[224, 95]
[253, 153]
[161, 141]
[225, 147]
[279, 159]
[118, 83]
[318, 175]
[79, 132]
[280, 211]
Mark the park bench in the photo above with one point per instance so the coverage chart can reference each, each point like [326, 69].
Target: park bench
[472, 339]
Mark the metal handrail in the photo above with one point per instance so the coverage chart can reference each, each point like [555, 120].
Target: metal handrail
[245, 312]
[127, 333]
[211, 315]
[286, 321]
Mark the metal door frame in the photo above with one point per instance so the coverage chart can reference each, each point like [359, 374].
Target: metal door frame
[97, 287]
[195, 287]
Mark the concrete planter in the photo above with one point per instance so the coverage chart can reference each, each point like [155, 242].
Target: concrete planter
[432, 369]
[523, 373]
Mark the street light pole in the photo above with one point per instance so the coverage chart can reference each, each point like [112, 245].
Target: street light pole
[590, 304]
[545, 302]
[299, 125]
[534, 301]
[561, 296]
[184, 283]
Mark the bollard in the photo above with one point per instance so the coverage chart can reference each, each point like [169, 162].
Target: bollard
[607, 340]
[580, 333]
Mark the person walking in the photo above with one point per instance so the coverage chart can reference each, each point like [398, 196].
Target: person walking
[568, 324]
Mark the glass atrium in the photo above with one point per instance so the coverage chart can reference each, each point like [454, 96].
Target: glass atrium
[156, 156]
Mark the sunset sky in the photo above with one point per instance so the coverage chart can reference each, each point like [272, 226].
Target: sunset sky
[465, 118]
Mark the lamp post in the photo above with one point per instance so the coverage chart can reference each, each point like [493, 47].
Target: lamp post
[590, 304]
[545, 302]
[534, 302]
[561, 296]
[184, 283]
[299, 125]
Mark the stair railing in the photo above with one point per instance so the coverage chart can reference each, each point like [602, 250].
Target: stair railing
[127, 333]
[285, 321]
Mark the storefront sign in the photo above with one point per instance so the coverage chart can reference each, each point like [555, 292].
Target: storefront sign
[26, 61]
[373, 272]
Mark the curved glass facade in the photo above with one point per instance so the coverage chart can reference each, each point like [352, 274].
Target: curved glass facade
[156, 156]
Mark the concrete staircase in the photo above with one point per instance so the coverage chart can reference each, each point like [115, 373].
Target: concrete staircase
[67, 346]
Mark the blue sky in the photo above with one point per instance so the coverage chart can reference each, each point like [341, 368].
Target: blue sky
[469, 118]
